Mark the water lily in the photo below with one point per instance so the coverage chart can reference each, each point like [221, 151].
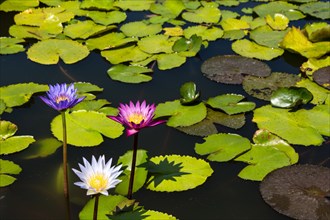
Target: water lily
[136, 117]
[61, 97]
[98, 176]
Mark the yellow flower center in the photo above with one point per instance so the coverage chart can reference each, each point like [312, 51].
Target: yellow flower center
[136, 118]
[61, 98]
[98, 182]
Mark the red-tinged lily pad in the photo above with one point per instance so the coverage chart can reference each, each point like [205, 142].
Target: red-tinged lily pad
[322, 77]
[299, 191]
[231, 69]
[49, 51]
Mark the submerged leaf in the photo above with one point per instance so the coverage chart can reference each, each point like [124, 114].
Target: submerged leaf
[320, 94]
[83, 29]
[7, 129]
[206, 14]
[43, 148]
[14, 5]
[125, 54]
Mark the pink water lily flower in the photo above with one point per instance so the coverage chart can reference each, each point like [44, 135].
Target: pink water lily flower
[136, 117]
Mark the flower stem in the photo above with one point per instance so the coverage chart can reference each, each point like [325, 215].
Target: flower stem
[65, 157]
[96, 205]
[131, 178]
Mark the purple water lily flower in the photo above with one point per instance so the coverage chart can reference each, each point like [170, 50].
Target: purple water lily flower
[61, 97]
[136, 117]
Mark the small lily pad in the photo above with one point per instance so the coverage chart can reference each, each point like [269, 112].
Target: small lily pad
[268, 37]
[290, 97]
[8, 167]
[177, 173]
[140, 29]
[169, 61]
[10, 45]
[317, 31]
[188, 92]
[278, 22]
[107, 18]
[231, 68]
[49, 51]
[222, 147]
[129, 74]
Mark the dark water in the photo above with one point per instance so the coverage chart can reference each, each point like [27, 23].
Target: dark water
[223, 196]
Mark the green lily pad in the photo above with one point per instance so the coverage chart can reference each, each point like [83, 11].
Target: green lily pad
[42, 148]
[320, 94]
[222, 147]
[49, 51]
[206, 14]
[83, 29]
[290, 97]
[286, 125]
[268, 37]
[181, 115]
[84, 89]
[85, 128]
[207, 34]
[18, 94]
[297, 42]
[90, 105]
[250, 49]
[317, 9]
[289, 10]
[188, 93]
[106, 5]
[9, 45]
[263, 87]
[134, 5]
[231, 24]
[125, 54]
[14, 5]
[107, 18]
[317, 31]
[7, 129]
[169, 61]
[129, 74]
[8, 167]
[232, 68]
[230, 103]
[40, 33]
[108, 41]
[161, 44]
[140, 29]
[278, 22]
[140, 175]
[177, 173]
[262, 160]
[313, 64]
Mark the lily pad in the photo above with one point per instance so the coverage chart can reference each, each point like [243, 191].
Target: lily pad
[317, 31]
[268, 37]
[206, 14]
[49, 51]
[90, 105]
[317, 9]
[83, 29]
[232, 68]
[181, 115]
[230, 103]
[134, 5]
[10, 45]
[177, 173]
[14, 5]
[125, 54]
[290, 97]
[160, 44]
[322, 77]
[108, 41]
[85, 128]
[140, 175]
[320, 94]
[169, 61]
[7, 129]
[18, 94]
[129, 74]
[222, 147]
[8, 167]
[299, 191]
[250, 49]
[262, 88]
[286, 125]
[140, 29]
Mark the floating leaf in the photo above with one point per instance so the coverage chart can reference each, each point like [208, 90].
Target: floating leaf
[7, 129]
[317, 31]
[313, 64]
[230, 103]
[231, 68]
[10, 45]
[222, 147]
[160, 44]
[84, 128]
[262, 160]
[320, 94]
[196, 171]
[14, 5]
[297, 42]
[317, 9]
[106, 5]
[169, 61]
[266, 36]
[140, 29]
[322, 77]
[49, 51]
[83, 29]
[250, 49]
[262, 88]
[107, 18]
[133, 5]
[43, 148]
[24, 31]
[8, 167]
[188, 93]
[18, 94]
[108, 41]
[206, 14]
[129, 74]
[278, 22]
[285, 124]
[285, 8]
[231, 24]
[140, 175]
[120, 55]
[181, 115]
[290, 97]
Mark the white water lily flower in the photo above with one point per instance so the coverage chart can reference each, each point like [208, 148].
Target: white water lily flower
[98, 177]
